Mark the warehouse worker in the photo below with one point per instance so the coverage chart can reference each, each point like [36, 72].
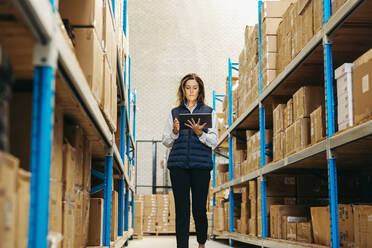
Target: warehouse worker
[190, 159]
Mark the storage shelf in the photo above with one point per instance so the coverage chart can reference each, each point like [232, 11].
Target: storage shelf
[270, 243]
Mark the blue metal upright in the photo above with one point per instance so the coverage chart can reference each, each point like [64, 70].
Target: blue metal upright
[129, 71]
[122, 181]
[45, 62]
[330, 106]
[262, 130]
[107, 198]
[231, 193]
[41, 143]
[214, 166]
[134, 140]
[125, 17]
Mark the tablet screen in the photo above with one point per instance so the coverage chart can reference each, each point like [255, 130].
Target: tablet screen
[204, 118]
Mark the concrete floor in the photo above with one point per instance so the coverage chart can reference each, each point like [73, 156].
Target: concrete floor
[170, 242]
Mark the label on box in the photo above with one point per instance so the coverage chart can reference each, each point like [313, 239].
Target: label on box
[365, 84]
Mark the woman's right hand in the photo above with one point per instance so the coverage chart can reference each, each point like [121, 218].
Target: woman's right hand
[176, 126]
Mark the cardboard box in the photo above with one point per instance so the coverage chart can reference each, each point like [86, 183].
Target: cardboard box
[362, 92]
[317, 15]
[281, 185]
[270, 43]
[301, 134]
[69, 172]
[274, 9]
[289, 140]
[252, 189]
[306, 100]
[278, 117]
[291, 231]
[114, 215]
[87, 165]
[8, 184]
[362, 225]
[336, 4]
[276, 213]
[22, 207]
[317, 125]
[96, 222]
[55, 207]
[289, 114]
[252, 226]
[84, 13]
[268, 75]
[89, 53]
[304, 232]
[277, 146]
[109, 36]
[68, 224]
[270, 26]
[57, 146]
[344, 77]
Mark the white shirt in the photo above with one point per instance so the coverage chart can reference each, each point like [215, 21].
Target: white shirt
[209, 139]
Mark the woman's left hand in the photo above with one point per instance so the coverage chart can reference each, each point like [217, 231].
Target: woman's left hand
[195, 126]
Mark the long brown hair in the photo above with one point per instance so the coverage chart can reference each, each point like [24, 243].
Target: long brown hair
[181, 88]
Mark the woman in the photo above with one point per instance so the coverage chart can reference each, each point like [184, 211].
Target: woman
[190, 160]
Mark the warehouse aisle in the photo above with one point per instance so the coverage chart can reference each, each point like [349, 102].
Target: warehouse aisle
[169, 242]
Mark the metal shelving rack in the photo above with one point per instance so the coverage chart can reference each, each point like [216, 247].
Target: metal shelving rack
[333, 147]
[53, 55]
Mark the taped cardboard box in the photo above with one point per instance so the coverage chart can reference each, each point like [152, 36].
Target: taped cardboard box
[22, 209]
[68, 224]
[57, 146]
[362, 92]
[114, 215]
[8, 186]
[277, 146]
[306, 100]
[301, 134]
[320, 219]
[69, 172]
[318, 15]
[55, 207]
[274, 9]
[96, 222]
[317, 125]
[278, 116]
[83, 13]
[289, 140]
[276, 213]
[109, 35]
[362, 225]
[89, 53]
[288, 114]
[270, 26]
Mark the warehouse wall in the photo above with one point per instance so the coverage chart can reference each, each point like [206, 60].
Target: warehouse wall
[171, 38]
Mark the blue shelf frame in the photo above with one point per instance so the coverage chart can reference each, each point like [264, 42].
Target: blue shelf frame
[45, 65]
[330, 120]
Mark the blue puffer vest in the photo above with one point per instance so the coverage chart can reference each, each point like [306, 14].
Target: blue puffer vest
[188, 151]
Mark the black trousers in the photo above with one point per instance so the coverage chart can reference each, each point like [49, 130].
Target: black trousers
[198, 181]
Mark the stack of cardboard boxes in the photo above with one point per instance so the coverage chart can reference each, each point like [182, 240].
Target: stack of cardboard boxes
[172, 212]
[248, 89]
[14, 202]
[162, 224]
[272, 13]
[138, 216]
[98, 39]
[291, 121]
[301, 20]
[149, 214]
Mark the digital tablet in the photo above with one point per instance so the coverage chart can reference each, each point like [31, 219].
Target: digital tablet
[204, 118]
